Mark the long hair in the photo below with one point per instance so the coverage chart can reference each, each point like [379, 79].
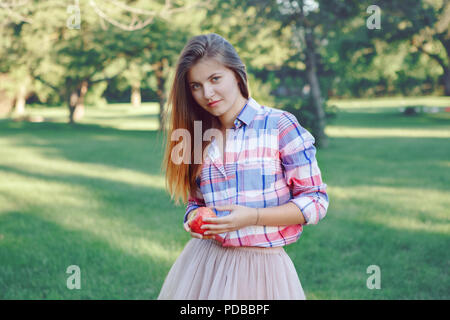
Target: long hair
[183, 109]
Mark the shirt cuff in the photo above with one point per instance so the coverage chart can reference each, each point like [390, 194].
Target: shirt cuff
[192, 207]
[308, 208]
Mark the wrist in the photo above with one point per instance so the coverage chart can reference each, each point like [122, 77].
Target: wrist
[257, 216]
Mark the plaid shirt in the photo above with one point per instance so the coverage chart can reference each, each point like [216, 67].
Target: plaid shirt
[269, 160]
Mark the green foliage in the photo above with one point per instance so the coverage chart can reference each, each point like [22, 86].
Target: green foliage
[261, 91]
[93, 195]
[353, 61]
[380, 69]
[94, 96]
[60, 58]
[302, 109]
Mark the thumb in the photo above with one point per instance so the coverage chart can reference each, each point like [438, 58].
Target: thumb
[186, 226]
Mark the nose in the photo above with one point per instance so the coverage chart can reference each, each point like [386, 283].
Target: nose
[208, 91]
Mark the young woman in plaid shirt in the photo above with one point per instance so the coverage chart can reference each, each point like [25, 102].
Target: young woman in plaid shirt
[257, 171]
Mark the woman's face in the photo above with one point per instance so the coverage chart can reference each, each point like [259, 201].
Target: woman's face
[215, 88]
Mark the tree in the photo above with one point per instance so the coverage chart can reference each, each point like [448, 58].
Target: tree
[425, 25]
[160, 49]
[309, 23]
[14, 60]
[70, 53]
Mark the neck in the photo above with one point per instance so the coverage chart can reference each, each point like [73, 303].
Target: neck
[227, 120]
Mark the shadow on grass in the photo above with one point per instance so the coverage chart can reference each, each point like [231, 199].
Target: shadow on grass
[36, 253]
[381, 161]
[332, 260]
[143, 150]
[332, 257]
[137, 207]
[390, 119]
[130, 149]
[126, 117]
[9, 127]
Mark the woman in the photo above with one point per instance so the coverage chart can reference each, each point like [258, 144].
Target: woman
[258, 172]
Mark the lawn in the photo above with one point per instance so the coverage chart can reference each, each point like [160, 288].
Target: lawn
[93, 195]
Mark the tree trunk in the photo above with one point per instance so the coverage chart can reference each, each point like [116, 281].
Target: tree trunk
[447, 81]
[136, 95]
[6, 102]
[72, 102]
[160, 78]
[311, 71]
[21, 97]
[76, 102]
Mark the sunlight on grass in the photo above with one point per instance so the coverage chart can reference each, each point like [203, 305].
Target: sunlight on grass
[94, 195]
[117, 115]
[444, 163]
[36, 163]
[126, 108]
[408, 223]
[7, 204]
[39, 181]
[389, 102]
[355, 132]
[75, 209]
[143, 124]
[398, 207]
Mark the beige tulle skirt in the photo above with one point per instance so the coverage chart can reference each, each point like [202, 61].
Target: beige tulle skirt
[207, 271]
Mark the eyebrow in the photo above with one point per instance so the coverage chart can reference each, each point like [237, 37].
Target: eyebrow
[215, 73]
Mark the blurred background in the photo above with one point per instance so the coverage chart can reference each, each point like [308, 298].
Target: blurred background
[84, 85]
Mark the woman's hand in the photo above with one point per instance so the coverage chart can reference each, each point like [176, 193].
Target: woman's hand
[194, 234]
[239, 217]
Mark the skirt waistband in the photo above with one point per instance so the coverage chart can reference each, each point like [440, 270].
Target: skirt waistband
[265, 250]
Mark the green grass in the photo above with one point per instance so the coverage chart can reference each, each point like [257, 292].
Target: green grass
[391, 102]
[93, 195]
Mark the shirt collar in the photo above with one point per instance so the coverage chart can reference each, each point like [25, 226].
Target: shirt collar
[247, 113]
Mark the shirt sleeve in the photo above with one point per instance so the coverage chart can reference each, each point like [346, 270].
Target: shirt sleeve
[303, 176]
[194, 202]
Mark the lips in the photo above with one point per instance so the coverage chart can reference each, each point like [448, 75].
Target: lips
[211, 104]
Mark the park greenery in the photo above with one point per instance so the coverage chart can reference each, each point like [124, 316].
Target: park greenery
[299, 54]
[92, 195]
[83, 93]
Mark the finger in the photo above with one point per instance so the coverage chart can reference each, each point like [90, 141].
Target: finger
[214, 233]
[224, 208]
[215, 220]
[196, 235]
[186, 227]
[214, 226]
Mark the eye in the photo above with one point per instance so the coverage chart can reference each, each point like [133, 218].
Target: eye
[215, 78]
[194, 86]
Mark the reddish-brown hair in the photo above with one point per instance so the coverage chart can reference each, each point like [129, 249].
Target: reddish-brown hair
[183, 109]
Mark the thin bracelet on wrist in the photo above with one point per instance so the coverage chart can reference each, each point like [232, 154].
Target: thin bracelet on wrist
[257, 217]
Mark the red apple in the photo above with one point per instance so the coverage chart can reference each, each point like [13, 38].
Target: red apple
[196, 219]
